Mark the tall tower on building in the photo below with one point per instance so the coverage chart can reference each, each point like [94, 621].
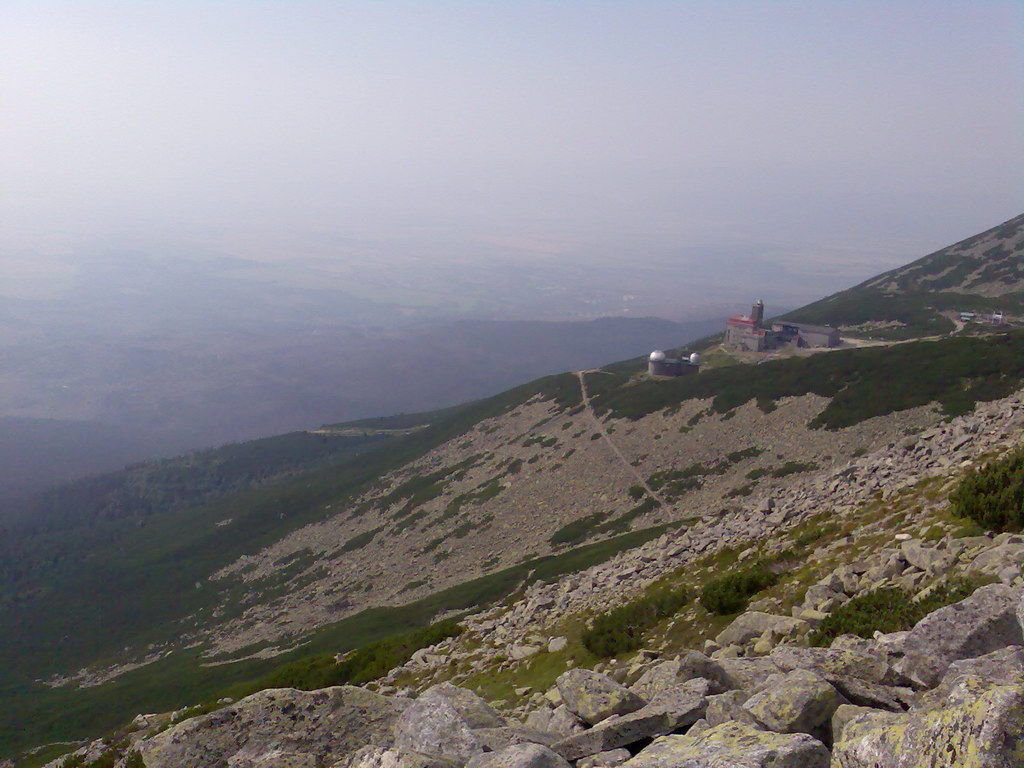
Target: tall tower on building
[757, 313]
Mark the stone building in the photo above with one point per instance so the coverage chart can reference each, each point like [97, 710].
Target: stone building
[747, 333]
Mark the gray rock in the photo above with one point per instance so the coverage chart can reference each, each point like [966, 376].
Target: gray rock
[1002, 667]
[980, 726]
[795, 702]
[995, 559]
[752, 624]
[327, 724]
[519, 756]
[494, 739]
[609, 759]
[867, 694]
[832, 661]
[593, 697]
[855, 720]
[746, 674]
[733, 745]
[984, 622]
[565, 723]
[668, 713]
[728, 707]
[556, 644]
[927, 558]
[668, 675]
[391, 757]
[476, 712]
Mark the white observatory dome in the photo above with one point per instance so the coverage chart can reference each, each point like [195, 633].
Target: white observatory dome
[694, 359]
[657, 356]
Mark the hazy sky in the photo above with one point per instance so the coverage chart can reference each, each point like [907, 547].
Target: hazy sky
[855, 134]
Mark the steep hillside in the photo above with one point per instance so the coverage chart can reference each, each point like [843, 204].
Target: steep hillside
[452, 516]
[982, 274]
[174, 583]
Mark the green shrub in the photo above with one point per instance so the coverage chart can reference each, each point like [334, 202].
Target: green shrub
[889, 609]
[993, 495]
[623, 628]
[792, 467]
[636, 492]
[731, 594]
[577, 530]
[362, 665]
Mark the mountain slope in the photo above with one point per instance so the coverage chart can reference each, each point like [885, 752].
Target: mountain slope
[543, 479]
[984, 273]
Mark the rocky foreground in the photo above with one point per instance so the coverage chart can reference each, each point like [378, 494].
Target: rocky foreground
[949, 692]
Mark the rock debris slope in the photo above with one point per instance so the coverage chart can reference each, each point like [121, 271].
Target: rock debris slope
[947, 691]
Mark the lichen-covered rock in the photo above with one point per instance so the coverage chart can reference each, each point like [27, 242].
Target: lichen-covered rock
[858, 663]
[519, 756]
[984, 622]
[868, 694]
[609, 759]
[564, 723]
[668, 675]
[280, 723]
[853, 721]
[795, 702]
[752, 624]
[747, 674]
[593, 697]
[932, 559]
[391, 757]
[476, 712]
[445, 721]
[980, 726]
[733, 745]
[1002, 667]
[727, 707]
[668, 713]
[494, 739]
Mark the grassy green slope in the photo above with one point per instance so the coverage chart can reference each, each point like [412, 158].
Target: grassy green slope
[982, 273]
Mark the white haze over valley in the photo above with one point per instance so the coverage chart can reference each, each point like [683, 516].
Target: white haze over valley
[220, 220]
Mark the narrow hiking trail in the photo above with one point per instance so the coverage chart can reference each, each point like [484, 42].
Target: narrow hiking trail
[640, 479]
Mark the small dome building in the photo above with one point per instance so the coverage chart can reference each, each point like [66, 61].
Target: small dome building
[659, 364]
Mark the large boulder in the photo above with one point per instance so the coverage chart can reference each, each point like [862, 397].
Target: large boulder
[670, 712]
[733, 745]
[519, 756]
[984, 622]
[668, 675]
[980, 726]
[927, 558]
[593, 697]
[1002, 667]
[446, 721]
[476, 712]
[795, 702]
[391, 757]
[861, 664]
[752, 624]
[746, 674]
[279, 724]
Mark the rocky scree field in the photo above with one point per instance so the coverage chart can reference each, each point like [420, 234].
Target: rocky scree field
[877, 623]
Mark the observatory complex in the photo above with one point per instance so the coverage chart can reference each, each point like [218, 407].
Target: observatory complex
[748, 333]
[660, 365]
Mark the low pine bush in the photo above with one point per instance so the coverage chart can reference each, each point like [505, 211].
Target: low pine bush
[889, 609]
[732, 593]
[623, 628]
[993, 495]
